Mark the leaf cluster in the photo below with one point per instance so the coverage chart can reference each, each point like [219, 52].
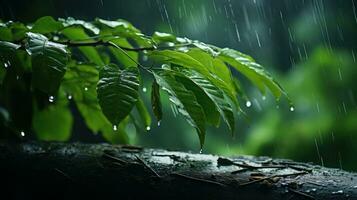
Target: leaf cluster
[99, 67]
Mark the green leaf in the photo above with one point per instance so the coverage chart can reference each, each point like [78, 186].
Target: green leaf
[53, 124]
[70, 21]
[8, 46]
[80, 84]
[118, 23]
[117, 92]
[178, 58]
[209, 107]
[210, 49]
[214, 65]
[49, 61]
[240, 90]
[215, 95]
[5, 33]
[77, 33]
[185, 100]
[12, 31]
[156, 101]
[121, 57]
[219, 75]
[159, 37]
[7, 54]
[89, 108]
[144, 114]
[125, 30]
[252, 70]
[46, 25]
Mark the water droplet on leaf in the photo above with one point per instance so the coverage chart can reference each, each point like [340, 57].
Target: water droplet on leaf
[69, 97]
[22, 133]
[148, 128]
[144, 89]
[7, 64]
[158, 123]
[248, 104]
[115, 128]
[292, 108]
[85, 89]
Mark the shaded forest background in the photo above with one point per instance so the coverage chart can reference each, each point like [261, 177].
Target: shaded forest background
[309, 45]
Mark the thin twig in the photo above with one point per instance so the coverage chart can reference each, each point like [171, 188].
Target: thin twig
[63, 174]
[226, 162]
[110, 43]
[103, 43]
[147, 166]
[126, 53]
[313, 183]
[301, 194]
[273, 176]
[131, 147]
[115, 159]
[171, 156]
[299, 168]
[198, 179]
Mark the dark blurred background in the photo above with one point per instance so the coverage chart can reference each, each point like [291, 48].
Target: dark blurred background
[309, 45]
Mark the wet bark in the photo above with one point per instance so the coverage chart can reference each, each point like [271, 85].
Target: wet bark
[72, 170]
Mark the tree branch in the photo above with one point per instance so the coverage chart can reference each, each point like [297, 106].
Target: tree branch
[104, 43]
[110, 43]
[77, 171]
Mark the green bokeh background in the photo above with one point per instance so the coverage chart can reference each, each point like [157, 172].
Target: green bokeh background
[309, 45]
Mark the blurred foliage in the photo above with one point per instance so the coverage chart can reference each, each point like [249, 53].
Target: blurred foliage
[322, 128]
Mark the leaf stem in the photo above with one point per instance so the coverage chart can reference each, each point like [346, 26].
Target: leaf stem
[105, 43]
[110, 43]
[121, 48]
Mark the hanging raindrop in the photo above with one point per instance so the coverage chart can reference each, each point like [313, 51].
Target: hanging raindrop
[22, 133]
[148, 128]
[248, 104]
[144, 89]
[85, 89]
[292, 108]
[115, 128]
[51, 99]
[158, 123]
[69, 97]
